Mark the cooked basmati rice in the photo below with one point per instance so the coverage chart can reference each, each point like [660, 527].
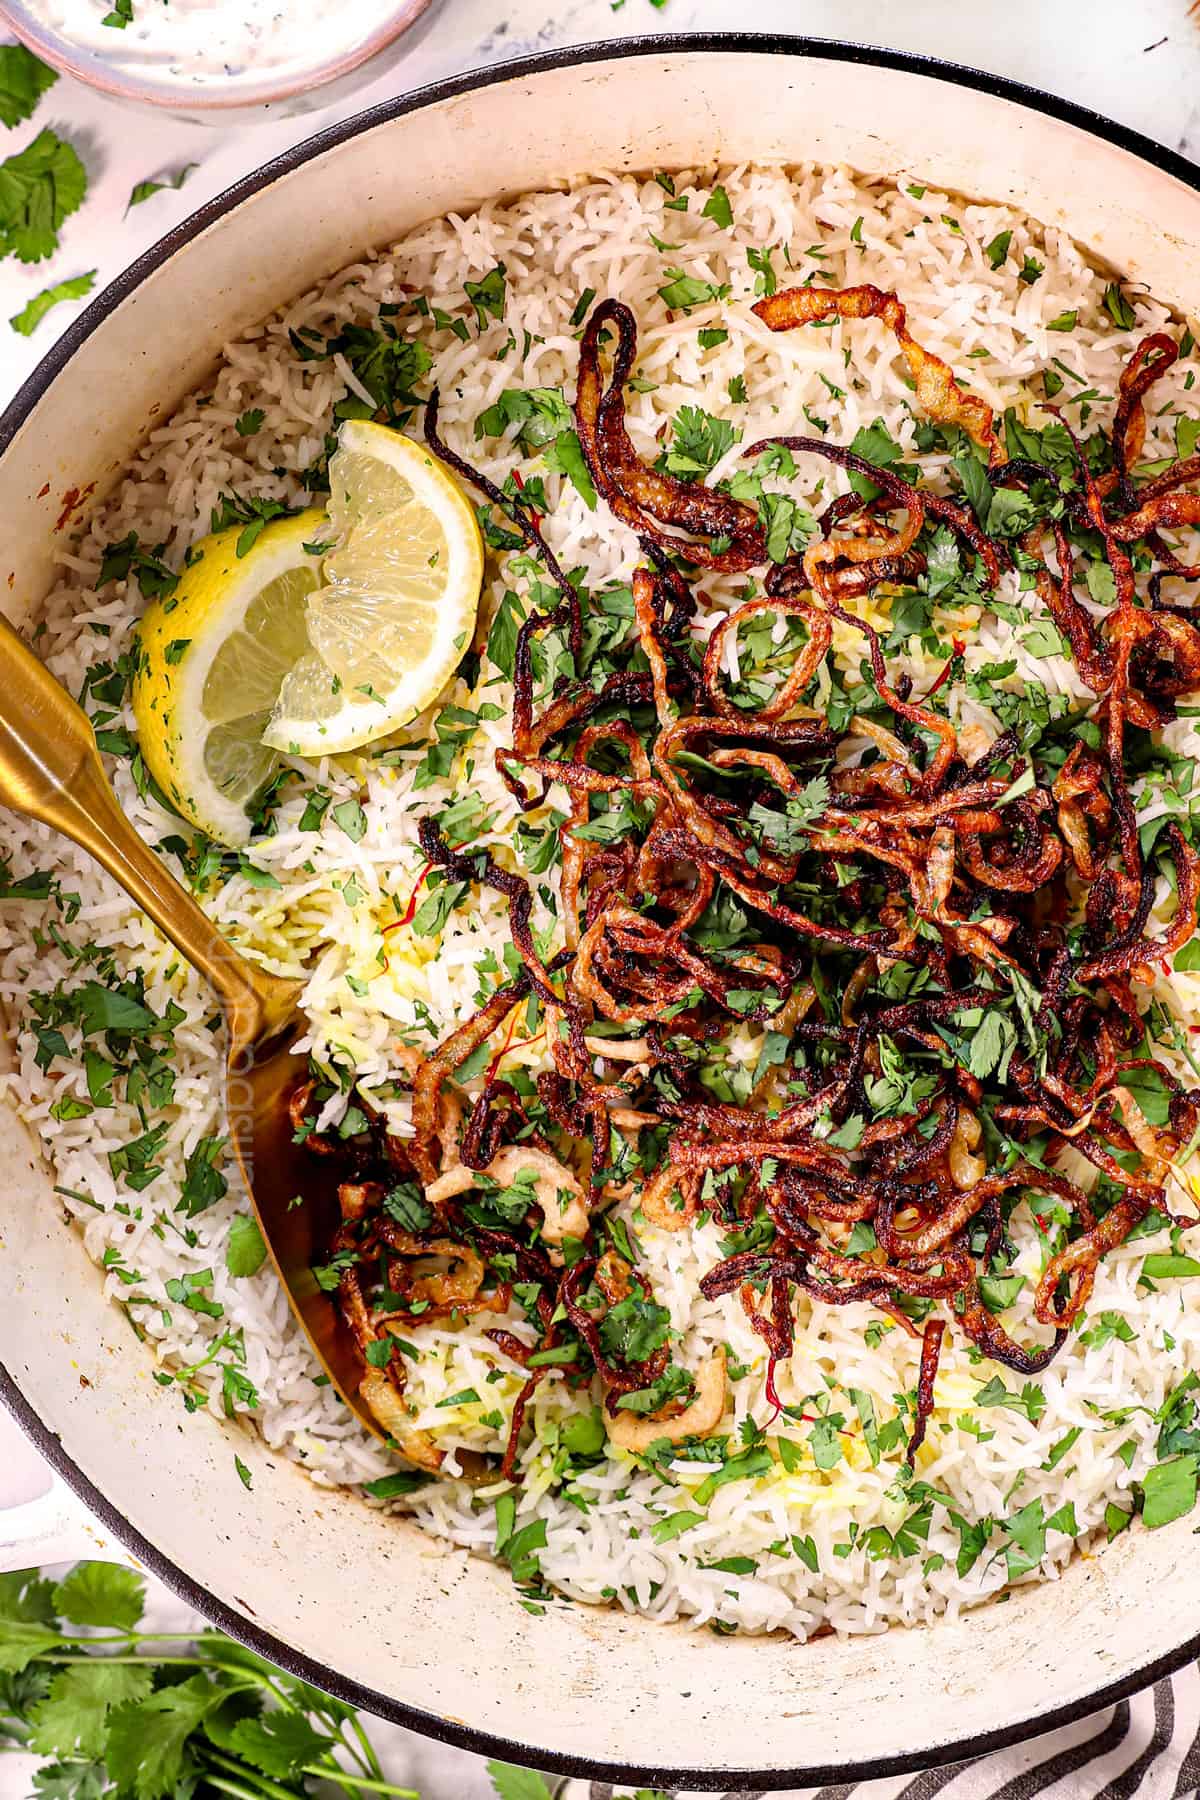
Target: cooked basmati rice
[812, 1554]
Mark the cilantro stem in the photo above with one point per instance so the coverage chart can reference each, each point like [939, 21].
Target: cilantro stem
[130, 1637]
[327, 1771]
[192, 1662]
[354, 1782]
[373, 1764]
[224, 1785]
[241, 1773]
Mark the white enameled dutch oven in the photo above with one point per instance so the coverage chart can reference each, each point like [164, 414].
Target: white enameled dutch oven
[354, 1601]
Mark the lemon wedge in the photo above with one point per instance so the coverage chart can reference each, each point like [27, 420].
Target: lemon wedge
[335, 628]
[397, 608]
[210, 661]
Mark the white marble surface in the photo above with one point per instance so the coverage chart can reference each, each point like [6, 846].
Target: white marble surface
[1136, 60]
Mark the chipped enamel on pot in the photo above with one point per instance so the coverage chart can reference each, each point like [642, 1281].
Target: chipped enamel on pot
[361, 1603]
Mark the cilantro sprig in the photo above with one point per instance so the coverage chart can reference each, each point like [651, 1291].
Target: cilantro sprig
[119, 1708]
[113, 1707]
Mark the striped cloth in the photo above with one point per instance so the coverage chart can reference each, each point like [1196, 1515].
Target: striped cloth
[1147, 1748]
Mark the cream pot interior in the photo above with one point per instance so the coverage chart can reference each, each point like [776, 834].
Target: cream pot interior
[360, 1602]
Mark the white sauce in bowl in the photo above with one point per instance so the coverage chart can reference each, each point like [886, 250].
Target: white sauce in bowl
[215, 41]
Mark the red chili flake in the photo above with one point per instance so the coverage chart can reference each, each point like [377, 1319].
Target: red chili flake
[521, 1044]
[406, 917]
[772, 1395]
[957, 646]
[1042, 1223]
[536, 517]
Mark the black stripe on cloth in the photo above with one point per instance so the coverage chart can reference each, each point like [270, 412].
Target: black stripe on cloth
[1188, 1779]
[931, 1781]
[830, 1793]
[1068, 1762]
[1126, 1785]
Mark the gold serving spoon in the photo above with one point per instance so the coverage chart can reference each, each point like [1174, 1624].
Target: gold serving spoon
[50, 770]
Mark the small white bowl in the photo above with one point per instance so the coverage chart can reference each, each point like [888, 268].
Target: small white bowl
[214, 99]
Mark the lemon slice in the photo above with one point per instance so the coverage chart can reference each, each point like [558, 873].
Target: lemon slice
[211, 659]
[397, 608]
[332, 630]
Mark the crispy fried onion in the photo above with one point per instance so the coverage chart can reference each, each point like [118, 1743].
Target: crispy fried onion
[844, 972]
[938, 393]
[699, 1419]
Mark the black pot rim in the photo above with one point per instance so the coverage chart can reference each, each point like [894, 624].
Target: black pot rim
[235, 1624]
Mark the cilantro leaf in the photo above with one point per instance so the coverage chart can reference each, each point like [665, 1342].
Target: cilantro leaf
[746, 1467]
[146, 1742]
[1169, 1489]
[673, 1384]
[824, 1441]
[674, 1525]
[71, 1781]
[108, 1009]
[972, 1541]
[1030, 1401]
[943, 562]
[245, 1253]
[404, 1481]
[99, 1593]
[1027, 1539]
[512, 1783]
[203, 1182]
[683, 292]
[25, 1597]
[502, 638]
[634, 1328]
[1167, 1263]
[539, 414]
[788, 831]
[999, 1291]
[875, 444]
[699, 441]
[349, 815]
[1116, 305]
[20, 1642]
[31, 315]
[406, 1206]
[40, 186]
[23, 80]
[71, 1720]
[997, 250]
[487, 296]
[765, 279]
[145, 190]
[718, 209]
[565, 456]
[991, 1046]
[280, 1743]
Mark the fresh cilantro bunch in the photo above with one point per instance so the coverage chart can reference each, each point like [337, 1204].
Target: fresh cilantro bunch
[123, 1713]
[152, 1717]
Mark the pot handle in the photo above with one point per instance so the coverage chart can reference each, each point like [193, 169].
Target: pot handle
[54, 1528]
[41, 1520]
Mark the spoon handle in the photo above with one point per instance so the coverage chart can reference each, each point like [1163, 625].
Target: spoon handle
[50, 770]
